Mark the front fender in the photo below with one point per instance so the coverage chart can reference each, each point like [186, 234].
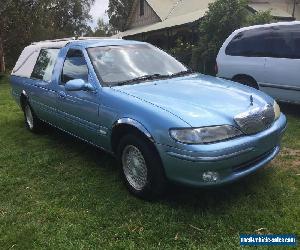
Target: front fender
[134, 123]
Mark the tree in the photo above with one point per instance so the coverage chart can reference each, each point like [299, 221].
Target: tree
[25, 21]
[118, 13]
[103, 29]
[222, 18]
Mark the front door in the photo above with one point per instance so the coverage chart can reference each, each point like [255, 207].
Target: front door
[78, 110]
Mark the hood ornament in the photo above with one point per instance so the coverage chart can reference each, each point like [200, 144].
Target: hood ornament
[251, 100]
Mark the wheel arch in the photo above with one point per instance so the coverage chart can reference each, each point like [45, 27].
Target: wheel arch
[124, 126]
[246, 76]
[23, 99]
[239, 76]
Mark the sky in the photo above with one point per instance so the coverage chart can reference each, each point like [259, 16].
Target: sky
[98, 10]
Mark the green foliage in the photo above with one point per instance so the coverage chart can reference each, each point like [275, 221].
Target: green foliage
[59, 193]
[103, 29]
[118, 13]
[222, 18]
[182, 51]
[25, 21]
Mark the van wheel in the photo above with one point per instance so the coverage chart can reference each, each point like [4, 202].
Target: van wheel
[141, 167]
[32, 123]
[248, 81]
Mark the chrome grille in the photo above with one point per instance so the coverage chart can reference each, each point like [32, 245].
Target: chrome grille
[256, 120]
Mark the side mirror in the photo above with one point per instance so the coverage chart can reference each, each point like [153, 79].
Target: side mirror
[77, 85]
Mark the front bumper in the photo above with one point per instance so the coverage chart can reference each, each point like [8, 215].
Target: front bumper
[231, 160]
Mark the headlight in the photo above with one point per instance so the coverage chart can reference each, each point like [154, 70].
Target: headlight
[276, 110]
[205, 134]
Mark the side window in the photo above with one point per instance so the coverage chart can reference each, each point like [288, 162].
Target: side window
[75, 67]
[296, 44]
[291, 36]
[278, 47]
[45, 64]
[250, 43]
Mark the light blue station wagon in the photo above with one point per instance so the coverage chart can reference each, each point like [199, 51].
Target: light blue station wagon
[162, 121]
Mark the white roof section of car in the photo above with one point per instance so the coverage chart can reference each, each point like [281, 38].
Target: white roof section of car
[29, 55]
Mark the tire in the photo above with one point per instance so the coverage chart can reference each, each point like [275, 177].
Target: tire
[246, 81]
[32, 123]
[137, 157]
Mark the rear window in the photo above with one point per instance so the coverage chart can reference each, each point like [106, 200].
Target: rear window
[277, 42]
[45, 64]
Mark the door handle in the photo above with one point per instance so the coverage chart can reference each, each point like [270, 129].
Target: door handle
[62, 94]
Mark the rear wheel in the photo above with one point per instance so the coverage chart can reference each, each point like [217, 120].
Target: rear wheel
[141, 167]
[248, 81]
[31, 120]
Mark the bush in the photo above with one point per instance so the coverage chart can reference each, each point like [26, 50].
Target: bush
[182, 51]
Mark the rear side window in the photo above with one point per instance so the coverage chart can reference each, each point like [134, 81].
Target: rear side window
[291, 36]
[276, 42]
[45, 64]
[251, 43]
[75, 67]
[296, 41]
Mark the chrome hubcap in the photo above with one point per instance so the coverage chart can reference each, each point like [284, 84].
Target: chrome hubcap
[134, 167]
[29, 117]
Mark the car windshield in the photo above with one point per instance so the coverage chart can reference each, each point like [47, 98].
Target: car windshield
[127, 64]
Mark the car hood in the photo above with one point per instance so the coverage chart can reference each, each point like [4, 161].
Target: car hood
[199, 100]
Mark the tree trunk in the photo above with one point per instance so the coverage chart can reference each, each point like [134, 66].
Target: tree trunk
[2, 60]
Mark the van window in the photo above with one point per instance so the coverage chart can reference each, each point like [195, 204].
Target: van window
[291, 34]
[279, 46]
[276, 42]
[45, 64]
[296, 40]
[75, 67]
[249, 43]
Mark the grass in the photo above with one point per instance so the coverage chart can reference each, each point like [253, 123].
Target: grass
[59, 193]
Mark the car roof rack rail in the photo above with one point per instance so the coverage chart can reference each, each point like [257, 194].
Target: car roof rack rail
[94, 37]
[73, 38]
[56, 40]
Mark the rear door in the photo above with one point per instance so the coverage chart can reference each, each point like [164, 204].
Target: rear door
[42, 95]
[282, 79]
[78, 109]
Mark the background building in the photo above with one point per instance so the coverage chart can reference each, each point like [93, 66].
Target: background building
[163, 22]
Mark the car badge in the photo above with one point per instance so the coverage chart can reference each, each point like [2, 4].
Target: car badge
[251, 100]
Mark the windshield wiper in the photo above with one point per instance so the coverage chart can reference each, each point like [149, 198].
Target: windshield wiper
[142, 78]
[183, 73]
[155, 76]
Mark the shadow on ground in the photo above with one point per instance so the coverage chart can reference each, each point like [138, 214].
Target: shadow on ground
[177, 195]
[290, 109]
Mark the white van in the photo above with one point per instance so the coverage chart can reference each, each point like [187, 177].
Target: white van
[266, 57]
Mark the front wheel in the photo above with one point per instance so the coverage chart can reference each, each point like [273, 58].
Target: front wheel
[141, 167]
